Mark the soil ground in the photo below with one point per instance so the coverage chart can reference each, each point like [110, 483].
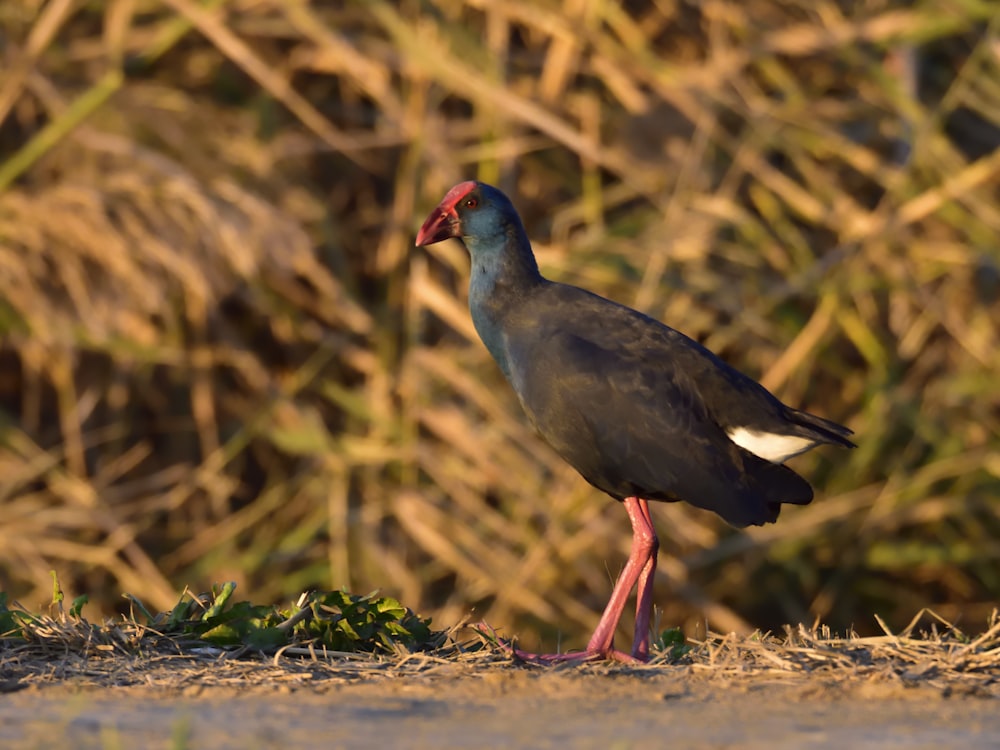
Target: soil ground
[173, 703]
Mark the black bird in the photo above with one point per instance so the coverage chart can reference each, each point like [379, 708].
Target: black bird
[640, 410]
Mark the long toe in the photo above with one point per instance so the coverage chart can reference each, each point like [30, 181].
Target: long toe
[572, 656]
[530, 657]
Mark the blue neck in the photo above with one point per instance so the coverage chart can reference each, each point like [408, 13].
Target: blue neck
[504, 271]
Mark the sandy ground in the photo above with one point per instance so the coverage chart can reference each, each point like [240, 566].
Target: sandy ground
[498, 708]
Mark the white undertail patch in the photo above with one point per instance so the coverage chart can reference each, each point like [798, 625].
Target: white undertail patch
[769, 445]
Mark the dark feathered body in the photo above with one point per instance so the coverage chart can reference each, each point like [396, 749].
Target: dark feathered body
[638, 408]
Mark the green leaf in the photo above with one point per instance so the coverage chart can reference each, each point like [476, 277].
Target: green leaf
[266, 638]
[180, 614]
[77, 608]
[9, 624]
[674, 643]
[57, 592]
[220, 598]
[141, 607]
[224, 635]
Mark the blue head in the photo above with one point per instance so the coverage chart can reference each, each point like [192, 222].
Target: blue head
[486, 222]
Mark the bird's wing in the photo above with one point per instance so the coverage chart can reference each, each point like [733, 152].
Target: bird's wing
[629, 422]
[750, 415]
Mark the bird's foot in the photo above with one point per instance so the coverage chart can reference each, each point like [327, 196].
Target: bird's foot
[608, 654]
[573, 656]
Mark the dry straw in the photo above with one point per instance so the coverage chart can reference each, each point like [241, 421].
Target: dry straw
[222, 358]
[936, 656]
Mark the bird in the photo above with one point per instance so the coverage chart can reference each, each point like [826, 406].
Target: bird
[640, 410]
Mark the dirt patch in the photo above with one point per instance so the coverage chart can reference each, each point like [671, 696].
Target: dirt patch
[805, 689]
[247, 706]
[485, 701]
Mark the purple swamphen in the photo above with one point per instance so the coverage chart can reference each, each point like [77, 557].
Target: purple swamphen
[640, 410]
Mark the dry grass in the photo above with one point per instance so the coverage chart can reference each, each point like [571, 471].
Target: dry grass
[222, 358]
[929, 653]
[941, 656]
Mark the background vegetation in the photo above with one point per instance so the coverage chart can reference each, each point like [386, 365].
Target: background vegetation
[223, 359]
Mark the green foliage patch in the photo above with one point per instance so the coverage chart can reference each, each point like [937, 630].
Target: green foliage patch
[336, 621]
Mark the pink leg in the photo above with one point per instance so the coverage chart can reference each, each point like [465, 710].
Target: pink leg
[640, 567]
[644, 593]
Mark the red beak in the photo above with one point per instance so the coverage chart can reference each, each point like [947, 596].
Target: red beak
[442, 224]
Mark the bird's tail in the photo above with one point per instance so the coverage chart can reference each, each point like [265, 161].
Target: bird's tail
[820, 429]
[777, 484]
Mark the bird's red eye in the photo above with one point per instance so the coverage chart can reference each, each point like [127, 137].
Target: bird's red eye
[471, 202]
